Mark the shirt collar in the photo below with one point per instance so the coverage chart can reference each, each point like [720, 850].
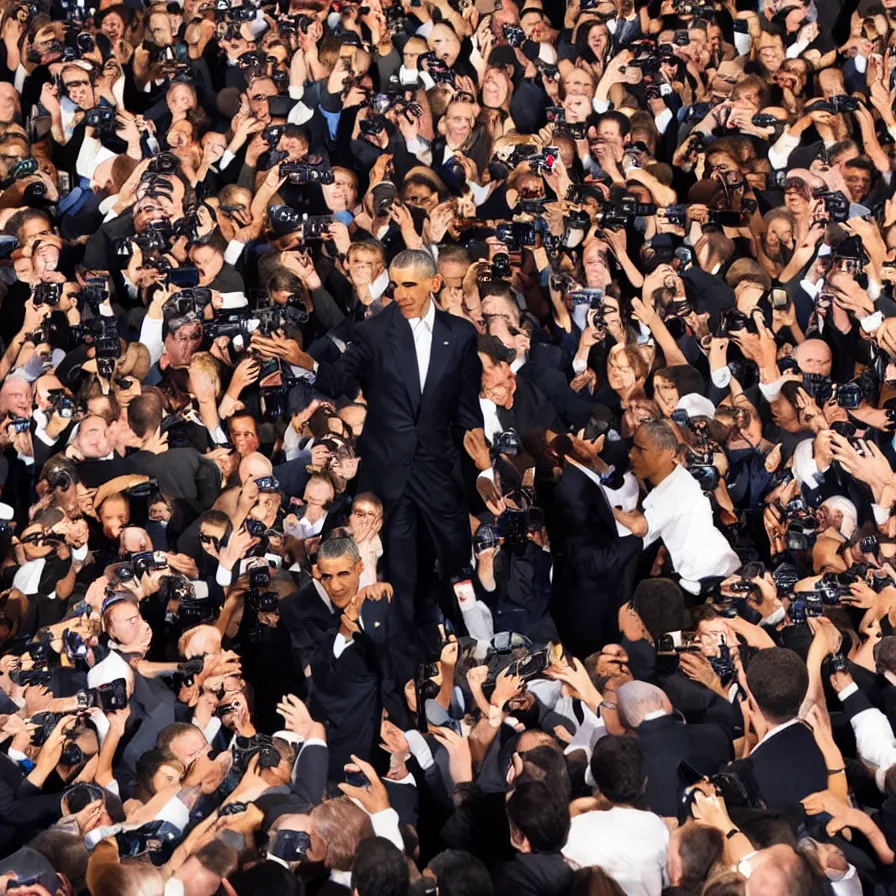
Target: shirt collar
[379, 285]
[776, 730]
[428, 319]
[323, 595]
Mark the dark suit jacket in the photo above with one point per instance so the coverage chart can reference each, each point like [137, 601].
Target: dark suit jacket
[408, 434]
[349, 690]
[152, 709]
[788, 767]
[181, 473]
[665, 742]
[25, 810]
[590, 561]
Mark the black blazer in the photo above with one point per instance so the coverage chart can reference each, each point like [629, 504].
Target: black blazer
[667, 741]
[788, 767]
[408, 434]
[590, 560]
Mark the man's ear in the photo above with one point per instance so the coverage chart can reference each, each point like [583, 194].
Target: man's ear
[519, 841]
[436, 283]
[315, 571]
[358, 566]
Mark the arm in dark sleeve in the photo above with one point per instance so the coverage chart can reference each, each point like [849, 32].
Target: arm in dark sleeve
[469, 411]
[311, 773]
[208, 482]
[599, 559]
[354, 364]
[327, 312]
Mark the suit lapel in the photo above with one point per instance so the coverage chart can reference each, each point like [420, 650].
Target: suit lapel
[440, 353]
[402, 339]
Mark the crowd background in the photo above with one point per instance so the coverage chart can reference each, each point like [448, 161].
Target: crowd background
[447, 447]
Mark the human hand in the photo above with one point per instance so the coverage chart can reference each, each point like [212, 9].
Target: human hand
[295, 715]
[372, 799]
[460, 759]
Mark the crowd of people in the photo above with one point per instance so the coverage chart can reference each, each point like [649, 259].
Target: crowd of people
[447, 447]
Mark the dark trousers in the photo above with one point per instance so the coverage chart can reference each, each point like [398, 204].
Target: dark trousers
[419, 532]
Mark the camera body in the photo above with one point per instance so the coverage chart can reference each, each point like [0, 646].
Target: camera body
[102, 118]
[311, 170]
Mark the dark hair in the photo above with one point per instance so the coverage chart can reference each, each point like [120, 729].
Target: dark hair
[595, 882]
[461, 874]
[539, 813]
[145, 414]
[686, 379]
[778, 680]
[661, 606]
[617, 766]
[379, 869]
[266, 877]
[700, 849]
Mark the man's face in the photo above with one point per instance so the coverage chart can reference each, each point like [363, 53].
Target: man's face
[78, 87]
[421, 196]
[317, 497]
[114, 517]
[180, 345]
[93, 438]
[858, 181]
[363, 512]
[16, 395]
[244, 435]
[459, 121]
[208, 262]
[444, 43]
[533, 26]
[9, 104]
[34, 228]
[211, 537]
[190, 746]
[215, 143]
[341, 195]
[578, 82]
[644, 455]
[160, 30]
[259, 91]
[412, 290]
[125, 624]
[364, 267]
[814, 357]
[340, 577]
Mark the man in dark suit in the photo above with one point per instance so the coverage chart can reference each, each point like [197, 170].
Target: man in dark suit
[419, 372]
[349, 655]
[591, 560]
[667, 742]
[787, 762]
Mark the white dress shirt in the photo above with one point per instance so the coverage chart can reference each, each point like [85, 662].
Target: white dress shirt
[630, 845]
[678, 512]
[421, 327]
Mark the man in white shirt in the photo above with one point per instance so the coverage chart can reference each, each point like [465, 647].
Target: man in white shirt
[676, 510]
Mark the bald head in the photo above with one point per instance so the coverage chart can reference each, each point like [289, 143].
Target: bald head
[254, 465]
[637, 699]
[813, 356]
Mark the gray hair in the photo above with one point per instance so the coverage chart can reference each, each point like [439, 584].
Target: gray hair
[417, 260]
[340, 546]
[661, 435]
[636, 699]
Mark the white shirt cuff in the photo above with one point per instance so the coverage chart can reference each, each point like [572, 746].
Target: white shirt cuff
[847, 692]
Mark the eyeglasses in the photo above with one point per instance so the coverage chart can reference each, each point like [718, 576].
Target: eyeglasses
[69, 84]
